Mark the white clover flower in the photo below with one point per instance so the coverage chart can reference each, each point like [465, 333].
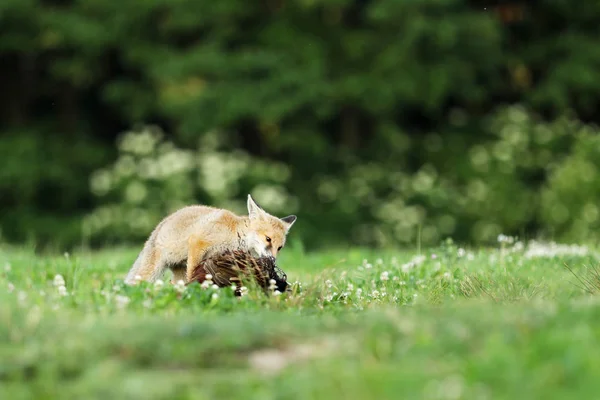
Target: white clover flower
[215, 296]
[122, 301]
[447, 275]
[180, 286]
[379, 261]
[22, 297]
[375, 294]
[215, 287]
[369, 266]
[158, 284]
[116, 288]
[209, 277]
[206, 284]
[350, 287]
[551, 250]
[461, 252]
[59, 280]
[433, 256]
[328, 283]
[137, 279]
[384, 276]
[272, 284]
[505, 239]
[62, 291]
[395, 278]
[276, 293]
[243, 290]
[11, 287]
[416, 261]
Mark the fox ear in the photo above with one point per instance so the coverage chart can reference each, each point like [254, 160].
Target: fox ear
[254, 210]
[289, 221]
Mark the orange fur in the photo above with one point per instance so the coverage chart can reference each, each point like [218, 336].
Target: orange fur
[181, 240]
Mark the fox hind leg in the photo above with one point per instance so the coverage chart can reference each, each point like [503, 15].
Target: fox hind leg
[151, 266]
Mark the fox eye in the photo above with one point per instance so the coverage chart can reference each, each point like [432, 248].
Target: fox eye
[279, 248]
[268, 239]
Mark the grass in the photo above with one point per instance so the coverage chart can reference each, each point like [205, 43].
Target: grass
[449, 323]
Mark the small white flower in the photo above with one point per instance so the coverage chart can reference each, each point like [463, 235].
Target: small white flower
[62, 291]
[433, 256]
[384, 276]
[7, 267]
[180, 286]
[122, 301]
[205, 284]
[209, 277]
[22, 296]
[243, 290]
[137, 279]
[447, 275]
[147, 303]
[369, 266]
[461, 252]
[375, 294]
[350, 287]
[328, 283]
[215, 296]
[379, 261]
[276, 293]
[215, 287]
[158, 284]
[11, 287]
[59, 280]
[272, 284]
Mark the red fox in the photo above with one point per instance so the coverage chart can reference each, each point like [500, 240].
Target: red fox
[184, 237]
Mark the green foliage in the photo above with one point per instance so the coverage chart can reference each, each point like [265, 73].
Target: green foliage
[493, 323]
[152, 177]
[569, 201]
[388, 116]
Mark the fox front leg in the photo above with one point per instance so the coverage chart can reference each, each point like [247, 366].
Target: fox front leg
[196, 249]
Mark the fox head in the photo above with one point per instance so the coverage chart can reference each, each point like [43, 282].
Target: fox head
[267, 232]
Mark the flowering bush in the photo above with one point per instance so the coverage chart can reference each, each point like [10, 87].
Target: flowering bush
[152, 177]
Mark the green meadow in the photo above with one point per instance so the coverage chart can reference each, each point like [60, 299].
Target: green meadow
[520, 320]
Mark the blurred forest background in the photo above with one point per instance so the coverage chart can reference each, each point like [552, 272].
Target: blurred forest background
[379, 122]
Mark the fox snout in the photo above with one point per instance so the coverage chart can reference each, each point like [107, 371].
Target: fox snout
[260, 251]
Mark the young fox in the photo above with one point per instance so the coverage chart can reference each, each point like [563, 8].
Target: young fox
[183, 238]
